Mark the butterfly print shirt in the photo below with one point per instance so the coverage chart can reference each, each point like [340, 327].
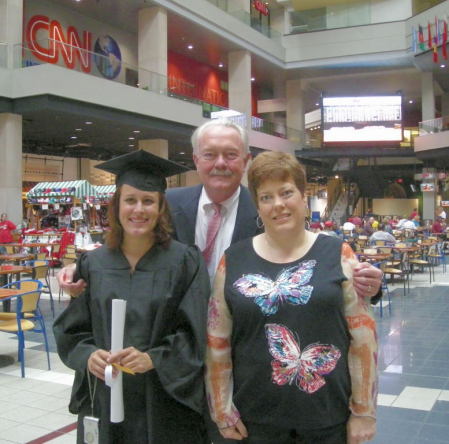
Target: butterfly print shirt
[290, 344]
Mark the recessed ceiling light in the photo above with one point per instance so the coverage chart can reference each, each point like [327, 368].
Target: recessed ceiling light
[443, 66]
[78, 129]
[317, 104]
[410, 101]
[181, 152]
[130, 146]
[74, 137]
[220, 65]
[190, 47]
[253, 79]
[88, 123]
[131, 138]
[136, 131]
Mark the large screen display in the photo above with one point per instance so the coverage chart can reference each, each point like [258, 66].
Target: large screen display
[362, 119]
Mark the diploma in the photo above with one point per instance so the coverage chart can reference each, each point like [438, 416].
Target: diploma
[116, 384]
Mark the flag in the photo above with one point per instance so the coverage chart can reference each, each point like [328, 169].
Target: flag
[435, 53]
[429, 35]
[414, 40]
[422, 45]
[444, 38]
[437, 37]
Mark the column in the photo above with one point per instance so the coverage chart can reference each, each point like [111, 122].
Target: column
[445, 105]
[152, 49]
[295, 111]
[239, 76]
[428, 96]
[429, 197]
[11, 23]
[11, 166]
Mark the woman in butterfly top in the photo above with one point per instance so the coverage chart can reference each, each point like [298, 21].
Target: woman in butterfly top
[292, 350]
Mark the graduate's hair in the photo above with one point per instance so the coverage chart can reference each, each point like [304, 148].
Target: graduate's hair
[162, 231]
[278, 166]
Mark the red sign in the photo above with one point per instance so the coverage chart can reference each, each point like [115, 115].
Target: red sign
[69, 45]
[261, 7]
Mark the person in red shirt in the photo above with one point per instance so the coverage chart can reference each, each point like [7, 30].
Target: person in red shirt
[438, 226]
[6, 229]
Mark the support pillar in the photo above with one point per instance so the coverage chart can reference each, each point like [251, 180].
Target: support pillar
[428, 96]
[295, 111]
[152, 49]
[429, 197]
[445, 105]
[11, 166]
[11, 23]
[239, 75]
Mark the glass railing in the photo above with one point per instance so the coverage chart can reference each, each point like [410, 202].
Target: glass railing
[434, 126]
[98, 65]
[245, 17]
[331, 17]
[3, 55]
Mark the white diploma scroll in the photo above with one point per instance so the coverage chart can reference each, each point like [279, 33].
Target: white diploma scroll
[116, 384]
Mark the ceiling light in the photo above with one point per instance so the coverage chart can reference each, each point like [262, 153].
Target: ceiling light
[136, 131]
[74, 137]
[336, 177]
[317, 104]
[88, 123]
[220, 65]
[443, 66]
[78, 129]
[410, 101]
[181, 152]
[253, 79]
[190, 47]
[131, 138]
[130, 146]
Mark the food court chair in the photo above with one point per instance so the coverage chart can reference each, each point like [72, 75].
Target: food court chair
[27, 316]
[41, 271]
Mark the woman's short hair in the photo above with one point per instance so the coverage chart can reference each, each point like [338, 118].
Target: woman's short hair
[162, 231]
[226, 123]
[276, 166]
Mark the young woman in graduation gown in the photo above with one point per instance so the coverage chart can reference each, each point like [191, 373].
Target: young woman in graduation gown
[166, 286]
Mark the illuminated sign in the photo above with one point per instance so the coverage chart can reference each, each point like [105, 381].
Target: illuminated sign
[261, 7]
[362, 119]
[40, 29]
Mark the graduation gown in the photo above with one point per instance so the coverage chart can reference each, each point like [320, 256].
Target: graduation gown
[166, 317]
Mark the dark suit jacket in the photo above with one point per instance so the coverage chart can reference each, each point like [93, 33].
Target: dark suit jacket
[183, 203]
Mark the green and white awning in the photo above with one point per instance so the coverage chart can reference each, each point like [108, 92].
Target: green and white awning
[80, 189]
[105, 191]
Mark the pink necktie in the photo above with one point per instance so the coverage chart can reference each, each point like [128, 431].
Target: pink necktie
[212, 230]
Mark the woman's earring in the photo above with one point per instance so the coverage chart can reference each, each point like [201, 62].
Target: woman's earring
[259, 222]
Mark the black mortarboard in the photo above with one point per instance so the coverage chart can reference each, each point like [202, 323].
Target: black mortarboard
[142, 170]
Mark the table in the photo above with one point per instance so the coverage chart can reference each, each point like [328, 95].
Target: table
[374, 257]
[6, 360]
[6, 270]
[16, 257]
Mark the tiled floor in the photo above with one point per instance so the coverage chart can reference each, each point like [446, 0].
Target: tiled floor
[413, 374]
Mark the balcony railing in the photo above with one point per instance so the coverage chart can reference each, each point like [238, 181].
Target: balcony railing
[98, 65]
[434, 126]
[245, 17]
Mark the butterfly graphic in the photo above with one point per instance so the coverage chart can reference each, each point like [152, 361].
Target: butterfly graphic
[304, 368]
[289, 286]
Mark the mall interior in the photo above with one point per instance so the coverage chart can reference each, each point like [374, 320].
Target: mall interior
[358, 90]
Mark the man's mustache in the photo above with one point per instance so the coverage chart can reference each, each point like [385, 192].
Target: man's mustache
[216, 172]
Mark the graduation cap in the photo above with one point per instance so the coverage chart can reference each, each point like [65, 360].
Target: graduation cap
[142, 170]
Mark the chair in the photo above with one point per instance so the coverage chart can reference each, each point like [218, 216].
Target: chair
[419, 261]
[70, 249]
[41, 271]
[54, 255]
[384, 291]
[41, 256]
[402, 271]
[9, 249]
[436, 256]
[26, 316]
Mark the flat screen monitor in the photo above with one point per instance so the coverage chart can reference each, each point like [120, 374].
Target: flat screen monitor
[362, 119]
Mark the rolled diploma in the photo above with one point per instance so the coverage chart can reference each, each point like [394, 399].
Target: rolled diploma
[116, 384]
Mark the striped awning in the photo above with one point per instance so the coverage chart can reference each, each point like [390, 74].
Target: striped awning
[76, 188]
[105, 190]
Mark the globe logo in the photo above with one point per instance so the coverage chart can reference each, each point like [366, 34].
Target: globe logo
[108, 57]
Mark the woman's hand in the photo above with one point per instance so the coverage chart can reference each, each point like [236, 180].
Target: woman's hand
[133, 359]
[237, 431]
[65, 281]
[97, 362]
[367, 280]
[360, 429]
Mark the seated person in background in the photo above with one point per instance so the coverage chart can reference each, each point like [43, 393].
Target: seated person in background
[387, 225]
[367, 227]
[6, 229]
[382, 235]
[348, 226]
[329, 229]
[438, 226]
[316, 226]
[417, 221]
[374, 224]
[405, 224]
[413, 213]
[355, 220]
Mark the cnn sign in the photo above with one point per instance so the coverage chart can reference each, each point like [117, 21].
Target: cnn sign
[40, 29]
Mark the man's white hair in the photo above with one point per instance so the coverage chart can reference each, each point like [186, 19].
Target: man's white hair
[226, 123]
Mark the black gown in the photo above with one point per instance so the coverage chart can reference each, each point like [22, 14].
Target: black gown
[166, 315]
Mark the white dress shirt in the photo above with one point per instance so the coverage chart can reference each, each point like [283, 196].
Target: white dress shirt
[226, 230]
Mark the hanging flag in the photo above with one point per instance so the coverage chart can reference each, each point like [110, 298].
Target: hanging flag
[437, 37]
[444, 40]
[422, 45]
[429, 35]
[435, 53]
